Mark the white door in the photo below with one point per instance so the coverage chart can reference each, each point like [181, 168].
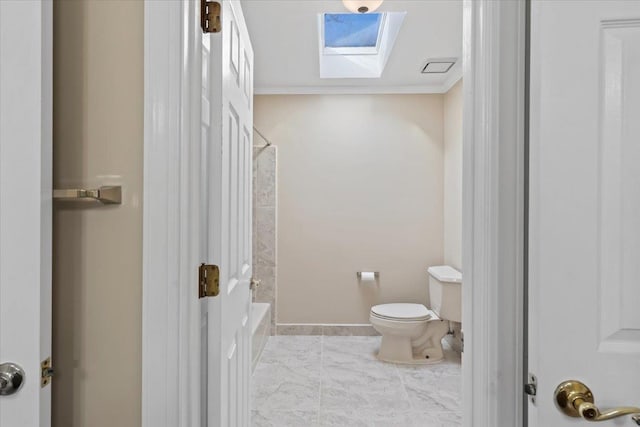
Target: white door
[584, 253]
[25, 208]
[227, 131]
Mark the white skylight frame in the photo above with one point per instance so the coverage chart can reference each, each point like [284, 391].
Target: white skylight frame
[352, 50]
[358, 65]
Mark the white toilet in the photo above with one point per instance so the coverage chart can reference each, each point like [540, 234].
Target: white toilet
[411, 333]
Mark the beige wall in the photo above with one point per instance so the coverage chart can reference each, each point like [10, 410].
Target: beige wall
[453, 177]
[98, 138]
[360, 188]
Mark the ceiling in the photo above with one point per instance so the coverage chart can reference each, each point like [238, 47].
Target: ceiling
[284, 34]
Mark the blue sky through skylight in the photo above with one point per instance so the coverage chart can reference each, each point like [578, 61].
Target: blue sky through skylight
[351, 29]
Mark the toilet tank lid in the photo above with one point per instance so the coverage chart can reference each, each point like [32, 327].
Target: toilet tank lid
[446, 273]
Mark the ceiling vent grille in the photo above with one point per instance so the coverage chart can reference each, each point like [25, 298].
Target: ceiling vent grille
[438, 66]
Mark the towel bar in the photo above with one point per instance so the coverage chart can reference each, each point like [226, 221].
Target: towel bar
[107, 195]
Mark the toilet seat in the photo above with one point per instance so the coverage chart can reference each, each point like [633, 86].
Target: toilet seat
[403, 312]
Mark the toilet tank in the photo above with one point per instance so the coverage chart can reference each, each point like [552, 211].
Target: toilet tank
[445, 292]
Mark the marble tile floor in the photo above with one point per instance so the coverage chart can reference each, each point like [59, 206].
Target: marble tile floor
[337, 381]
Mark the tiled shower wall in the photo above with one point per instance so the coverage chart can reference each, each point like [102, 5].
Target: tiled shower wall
[264, 226]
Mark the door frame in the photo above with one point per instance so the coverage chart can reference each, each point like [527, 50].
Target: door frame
[493, 217]
[494, 153]
[170, 310]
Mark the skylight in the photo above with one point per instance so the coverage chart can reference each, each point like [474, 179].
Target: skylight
[350, 30]
[356, 45]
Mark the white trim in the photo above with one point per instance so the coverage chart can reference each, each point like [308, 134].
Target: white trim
[493, 212]
[168, 367]
[455, 74]
[352, 90]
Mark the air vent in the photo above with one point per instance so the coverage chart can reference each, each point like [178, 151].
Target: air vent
[438, 66]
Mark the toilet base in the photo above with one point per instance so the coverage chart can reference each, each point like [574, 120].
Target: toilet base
[424, 349]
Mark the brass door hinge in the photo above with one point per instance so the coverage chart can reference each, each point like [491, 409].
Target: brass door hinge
[46, 372]
[210, 16]
[208, 281]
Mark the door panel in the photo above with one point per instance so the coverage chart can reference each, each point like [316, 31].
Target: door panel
[227, 92]
[584, 203]
[619, 201]
[25, 205]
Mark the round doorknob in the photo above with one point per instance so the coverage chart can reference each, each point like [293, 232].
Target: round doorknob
[11, 378]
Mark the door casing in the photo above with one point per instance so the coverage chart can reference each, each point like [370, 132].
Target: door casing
[170, 312]
[493, 212]
[493, 216]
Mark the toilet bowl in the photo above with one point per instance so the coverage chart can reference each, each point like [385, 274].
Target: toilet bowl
[412, 333]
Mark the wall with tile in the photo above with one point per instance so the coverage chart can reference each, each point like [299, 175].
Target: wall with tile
[360, 188]
[98, 90]
[264, 224]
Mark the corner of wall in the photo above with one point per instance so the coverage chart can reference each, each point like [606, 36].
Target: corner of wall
[453, 126]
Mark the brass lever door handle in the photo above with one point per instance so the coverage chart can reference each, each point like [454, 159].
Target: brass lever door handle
[575, 399]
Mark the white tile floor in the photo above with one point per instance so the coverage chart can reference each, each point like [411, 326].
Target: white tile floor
[337, 381]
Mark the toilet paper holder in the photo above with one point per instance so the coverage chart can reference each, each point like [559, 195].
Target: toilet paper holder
[367, 275]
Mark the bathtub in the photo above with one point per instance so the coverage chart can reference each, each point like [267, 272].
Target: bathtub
[260, 329]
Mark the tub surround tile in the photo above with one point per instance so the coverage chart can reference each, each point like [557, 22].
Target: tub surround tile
[267, 276]
[265, 194]
[266, 292]
[265, 235]
[265, 227]
[265, 161]
[259, 339]
[254, 240]
[265, 176]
